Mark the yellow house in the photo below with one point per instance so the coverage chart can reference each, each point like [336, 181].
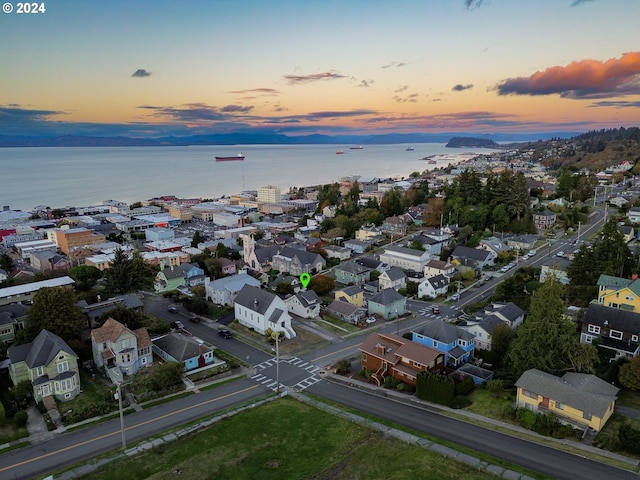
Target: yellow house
[579, 399]
[352, 294]
[616, 292]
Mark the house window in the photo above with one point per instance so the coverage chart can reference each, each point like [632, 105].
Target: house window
[629, 297]
[560, 406]
[125, 343]
[614, 305]
[435, 344]
[529, 394]
[104, 345]
[586, 416]
[588, 338]
[615, 334]
[63, 366]
[143, 360]
[634, 338]
[40, 371]
[364, 357]
[594, 329]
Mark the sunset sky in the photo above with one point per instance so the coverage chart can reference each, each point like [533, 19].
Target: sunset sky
[148, 68]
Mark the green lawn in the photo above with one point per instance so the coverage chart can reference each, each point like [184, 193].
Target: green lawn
[286, 439]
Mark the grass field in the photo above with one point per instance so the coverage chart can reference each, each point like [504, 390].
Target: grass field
[285, 439]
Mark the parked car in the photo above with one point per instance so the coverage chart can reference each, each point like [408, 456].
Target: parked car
[455, 297]
[224, 333]
[172, 309]
[177, 325]
[532, 253]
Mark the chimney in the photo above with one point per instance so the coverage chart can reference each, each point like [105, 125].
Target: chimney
[634, 276]
[380, 349]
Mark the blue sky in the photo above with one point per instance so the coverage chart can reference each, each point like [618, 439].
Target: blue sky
[153, 68]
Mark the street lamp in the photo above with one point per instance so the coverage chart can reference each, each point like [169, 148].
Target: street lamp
[118, 396]
[276, 336]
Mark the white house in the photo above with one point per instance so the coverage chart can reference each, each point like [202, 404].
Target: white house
[262, 310]
[433, 286]
[482, 325]
[405, 258]
[305, 304]
[393, 278]
[634, 215]
[224, 290]
[115, 346]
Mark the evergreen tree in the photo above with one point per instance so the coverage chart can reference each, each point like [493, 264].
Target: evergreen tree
[118, 278]
[197, 239]
[54, 309]
[548, 339]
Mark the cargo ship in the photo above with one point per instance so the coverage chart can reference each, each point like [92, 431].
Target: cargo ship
[239, 156]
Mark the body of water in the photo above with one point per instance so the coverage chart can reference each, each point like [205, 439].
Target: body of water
[83, 176]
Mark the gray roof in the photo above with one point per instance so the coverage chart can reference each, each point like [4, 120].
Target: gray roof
[130, 301]
[407, 251]
[180, 346]
[582, 391]
[172, 272]
[395, 273]
[351, 290]
[41, 351]
[255, 299]
[615, 318]
[472, 253]
[234, 283]
[438, 281]
[386, 297]
[308, 298]
[444, 332]
[353, 267]
[509, 311]
[343, 307]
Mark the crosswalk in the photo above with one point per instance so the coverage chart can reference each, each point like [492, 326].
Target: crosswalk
[270, 382]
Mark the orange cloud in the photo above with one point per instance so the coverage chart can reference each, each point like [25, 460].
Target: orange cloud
[583, 79]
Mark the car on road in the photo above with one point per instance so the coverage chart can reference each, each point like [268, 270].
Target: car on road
[455, 297]
[194, 318]
[177, 325]
[172, 309]
[435, 310]
[224, 333]
[532, 253]
[505, 269]
[371, 320]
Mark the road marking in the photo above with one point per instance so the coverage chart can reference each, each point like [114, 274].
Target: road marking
[118, 431]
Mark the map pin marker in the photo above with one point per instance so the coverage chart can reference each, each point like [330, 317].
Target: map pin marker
[305, 278]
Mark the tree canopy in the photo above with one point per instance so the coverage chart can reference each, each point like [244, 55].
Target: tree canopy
[54, 309]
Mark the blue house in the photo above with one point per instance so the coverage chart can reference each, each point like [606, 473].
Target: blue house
[193, 275]
[456, 343]
[175, 347]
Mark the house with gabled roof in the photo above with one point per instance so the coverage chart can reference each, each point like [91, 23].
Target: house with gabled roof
[369, 233]
[395, 225]
[387, 303]
[386, 354]
[617, 329]
[433, 286]
[619, 292]
[482, 324]
[475, 258]
[544, 220]
[522, 242]
[493, 245]
[12, 318]
[176, 347]
[305, 304]
[262, 310]
[393, 278]
[578, 399]
[49, 364]
[438, 267]
[297, 261]
[456, 343]
[94, 311]
[358, 246]
[116, 346]
[346, 311]
[193, 274]
[224, 290]
[352, 294]
[169, 279]
[634, 215]
[352, 273]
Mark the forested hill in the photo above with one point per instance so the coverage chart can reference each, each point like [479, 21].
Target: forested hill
[461, 142]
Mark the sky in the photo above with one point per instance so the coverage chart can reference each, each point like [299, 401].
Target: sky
[151, 68]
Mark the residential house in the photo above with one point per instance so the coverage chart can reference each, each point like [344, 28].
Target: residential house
[433, 286]
[262, 310]
[49, 364]
[395, 226]
[169, 279]
[352, 294]
[289, 280]
[544, 220]
[346, 311]
[305, 304]
[432, 241]
[393, 278]
[47, 261]
[628, 232]
[522, 242]
[370, 233]
[297, 261]
[482, 324]
[352, 273]
[391, 355]
[579, 399]
[415, 214]
[193, 275]
[176, 347]
[617, 329]
[618, 201]
[94, 311]
[12, 319]
[387, 303]
[473, 258]
[634, 215]
[116, 346]
[341, 253]
[358, 246]
[557, 271]
[456, 343]
[224, 290]
[405, 258]
[436, 267]
[493, 245]
[3, 275]
[619, 292]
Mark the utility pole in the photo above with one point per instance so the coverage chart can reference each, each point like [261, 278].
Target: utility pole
[119, 395]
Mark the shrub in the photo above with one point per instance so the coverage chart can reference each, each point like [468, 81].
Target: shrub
[401, 387]
[465, 387]
[526, 418]
[2, 414]
[460, 401]
[629, 438]
[495, 387]
[21, 418]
